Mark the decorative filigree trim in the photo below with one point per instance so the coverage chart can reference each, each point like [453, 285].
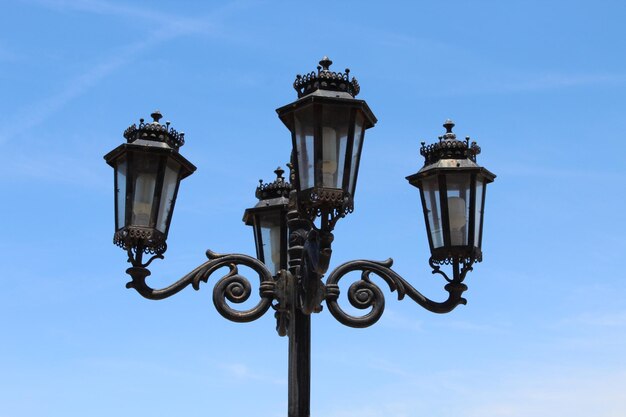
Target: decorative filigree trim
[449, 147]
[278, 188]
[155, 131]
[146, 240]
[325, 79]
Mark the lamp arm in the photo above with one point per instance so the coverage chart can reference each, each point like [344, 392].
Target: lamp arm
[364, 294]
[231, 287]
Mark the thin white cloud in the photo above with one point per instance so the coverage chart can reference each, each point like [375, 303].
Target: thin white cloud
[181, 24]
[105, 8]
[530, 392]
[395, 320]
[48, 168]
[507, 82]
[172, 27]
[483, 74]
[243, 372]
[606, 319]
[36, 113]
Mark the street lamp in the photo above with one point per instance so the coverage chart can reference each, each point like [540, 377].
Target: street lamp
[295, 217]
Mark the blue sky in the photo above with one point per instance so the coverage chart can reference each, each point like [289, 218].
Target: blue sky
[540, 85]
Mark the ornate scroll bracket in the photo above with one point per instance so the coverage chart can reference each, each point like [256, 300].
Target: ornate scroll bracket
[364, 294]
[232, 287]
[316, 258]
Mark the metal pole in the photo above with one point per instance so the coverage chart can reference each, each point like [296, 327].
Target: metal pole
[299, 325]
[299, 364]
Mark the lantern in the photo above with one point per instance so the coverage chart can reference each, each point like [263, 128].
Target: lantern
[327, 127]
[452, 189]
[148, 170]
[269, 220]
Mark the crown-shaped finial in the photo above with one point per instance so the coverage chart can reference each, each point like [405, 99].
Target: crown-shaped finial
[325, 79]
[155, 131]
[448, 147]
[276, 189]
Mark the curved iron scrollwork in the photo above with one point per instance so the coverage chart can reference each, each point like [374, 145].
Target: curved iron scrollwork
[364, 294]
[231, 287]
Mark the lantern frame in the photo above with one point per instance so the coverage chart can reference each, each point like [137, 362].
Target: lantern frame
[156, 144]
[450, 157]
[273, 202]
[318, 93]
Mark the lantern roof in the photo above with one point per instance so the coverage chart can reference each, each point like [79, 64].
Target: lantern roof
[326, 80]
[155, 132]
[450, 153]
[449, 147]
[270, 195]
[276, 189]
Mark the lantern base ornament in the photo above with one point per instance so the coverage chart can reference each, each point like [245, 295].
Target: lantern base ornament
[294, 219]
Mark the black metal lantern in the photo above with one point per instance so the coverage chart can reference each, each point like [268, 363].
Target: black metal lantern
[148, 170]
[327, 127]
[452, 188]
[269, 220]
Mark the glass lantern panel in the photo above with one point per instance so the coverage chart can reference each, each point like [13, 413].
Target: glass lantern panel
[430, 190]
[271, 238]
[335, 125]
[356, 150]
[120, 193]
[146, 167]
[304, 133]
[478, 214]
[170, 181]
[458, 186]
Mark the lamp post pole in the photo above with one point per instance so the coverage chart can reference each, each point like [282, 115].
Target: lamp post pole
[293, 221]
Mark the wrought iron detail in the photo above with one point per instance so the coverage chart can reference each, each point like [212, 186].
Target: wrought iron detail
[342, 204]
[364, 294]
[146, 240]
[325, 79]
[449, 147]
[276, 189]
[154, 131]
[316, 258]
[232, 287]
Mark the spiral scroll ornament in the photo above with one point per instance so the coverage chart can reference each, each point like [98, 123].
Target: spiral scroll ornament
[365, 294]
[232, 287]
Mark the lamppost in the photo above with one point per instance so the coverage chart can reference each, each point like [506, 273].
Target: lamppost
[295, 217]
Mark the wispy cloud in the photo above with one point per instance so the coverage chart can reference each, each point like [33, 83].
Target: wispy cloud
[170, 27]
[393, 319]
[532, 393]
[180, 23]
[506, 82]
[243, 372]
[484, 74]
[605, 319]
[53, 168]
[36, 113]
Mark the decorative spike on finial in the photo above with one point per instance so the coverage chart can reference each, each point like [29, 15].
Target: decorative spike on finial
[156, 116]
[279, 173]
[449, 135]
[448, 124]
[325, 63]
